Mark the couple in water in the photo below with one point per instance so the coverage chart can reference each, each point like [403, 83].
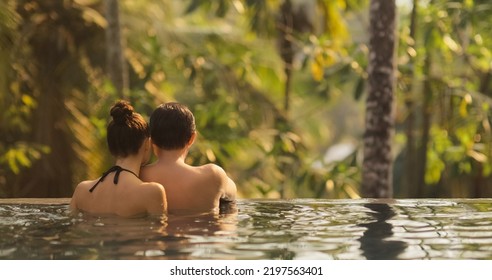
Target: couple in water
[169, 185]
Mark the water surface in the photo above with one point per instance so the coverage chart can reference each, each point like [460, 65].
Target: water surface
[256, 229]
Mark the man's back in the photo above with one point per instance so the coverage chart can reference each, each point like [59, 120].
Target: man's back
[189, 188]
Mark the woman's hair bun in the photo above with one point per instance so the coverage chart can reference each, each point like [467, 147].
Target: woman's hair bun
[121, 111]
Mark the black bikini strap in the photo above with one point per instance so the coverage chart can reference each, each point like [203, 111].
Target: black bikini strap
[118, 170]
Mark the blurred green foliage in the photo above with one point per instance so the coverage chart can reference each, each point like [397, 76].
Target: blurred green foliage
[223, 59]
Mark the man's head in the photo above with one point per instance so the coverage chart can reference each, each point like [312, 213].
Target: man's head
[172, 126]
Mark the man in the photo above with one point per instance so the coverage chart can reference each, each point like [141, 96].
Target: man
[188, 188]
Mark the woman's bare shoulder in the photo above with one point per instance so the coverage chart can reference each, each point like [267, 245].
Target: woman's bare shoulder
[81, 193]
[85, 185]
[155, 197]
[152, 187]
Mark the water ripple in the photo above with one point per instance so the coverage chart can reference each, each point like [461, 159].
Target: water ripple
[260, 229]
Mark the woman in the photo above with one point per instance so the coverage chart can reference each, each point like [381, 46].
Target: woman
[119, 190]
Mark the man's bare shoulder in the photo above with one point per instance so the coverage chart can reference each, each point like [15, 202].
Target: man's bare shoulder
[212, 169]
[225, 183]
[212, 172]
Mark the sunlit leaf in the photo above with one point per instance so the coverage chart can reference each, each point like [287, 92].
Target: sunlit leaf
[342, 4]
[210, 155]
[435, 166]
[463, 108]
[351, 192]
[87, 2]
[11, 160]
[335, 24]
[91, 15]
[317, 70]
[477, 156]
[22, 159]
[468, 4]
[451, 44]
[28, 101]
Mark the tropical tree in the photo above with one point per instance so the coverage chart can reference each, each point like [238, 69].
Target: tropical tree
[448, 89]
[116, 64]
[50, 56]
[377, 165]
[274, 85]
[16, 152]
[307, 33]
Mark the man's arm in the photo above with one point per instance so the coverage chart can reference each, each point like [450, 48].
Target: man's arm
[230, 190]
[227, 186]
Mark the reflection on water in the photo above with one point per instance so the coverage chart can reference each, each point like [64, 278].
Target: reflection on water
[373, 242]
[257, 229]
[151, 237]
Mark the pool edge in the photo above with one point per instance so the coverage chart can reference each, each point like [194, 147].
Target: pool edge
[35, 200]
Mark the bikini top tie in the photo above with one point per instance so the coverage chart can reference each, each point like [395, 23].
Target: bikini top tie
[118, 170]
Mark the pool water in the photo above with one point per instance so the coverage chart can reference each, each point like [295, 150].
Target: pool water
[256, 229]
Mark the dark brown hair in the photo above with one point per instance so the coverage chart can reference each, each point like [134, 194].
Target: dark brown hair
[171, 126]
[126, 131]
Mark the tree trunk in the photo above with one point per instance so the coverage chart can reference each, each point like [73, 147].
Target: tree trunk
[285, 27]
[51, 176]
[378, 161]
[116, 68]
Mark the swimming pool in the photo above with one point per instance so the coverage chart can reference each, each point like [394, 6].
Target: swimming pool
[256, 229]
